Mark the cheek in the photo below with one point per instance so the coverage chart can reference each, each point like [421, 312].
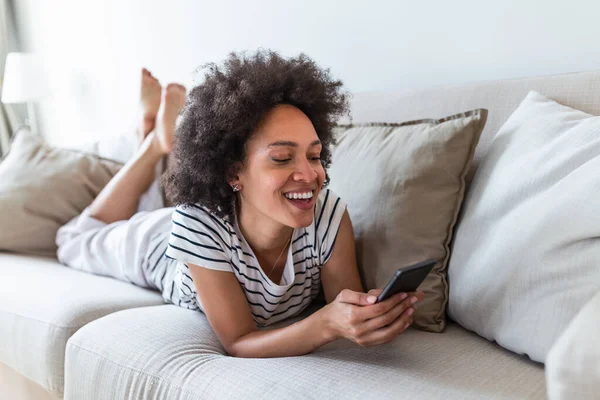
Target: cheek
[321, 173]
[273, 183]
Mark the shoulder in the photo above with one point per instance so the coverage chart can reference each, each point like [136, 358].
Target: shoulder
[198, 219]
[194, 214]
[328, 203]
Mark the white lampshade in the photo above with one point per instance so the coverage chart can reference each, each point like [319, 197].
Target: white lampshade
[23, 79]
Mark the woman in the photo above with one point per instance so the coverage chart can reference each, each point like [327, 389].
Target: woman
[254, 233]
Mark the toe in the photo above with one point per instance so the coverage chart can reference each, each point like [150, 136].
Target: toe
[175, 86]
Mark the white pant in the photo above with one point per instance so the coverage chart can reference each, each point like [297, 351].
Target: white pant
[129, 250]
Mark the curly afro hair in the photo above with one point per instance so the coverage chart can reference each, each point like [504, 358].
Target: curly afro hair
[222, 113]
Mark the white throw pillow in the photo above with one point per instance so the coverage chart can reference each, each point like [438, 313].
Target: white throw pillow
[526, 256]
[573, 363]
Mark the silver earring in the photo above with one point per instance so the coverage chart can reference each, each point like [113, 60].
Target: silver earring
[236, 188]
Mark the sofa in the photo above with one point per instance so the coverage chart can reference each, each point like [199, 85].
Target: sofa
[68, 334]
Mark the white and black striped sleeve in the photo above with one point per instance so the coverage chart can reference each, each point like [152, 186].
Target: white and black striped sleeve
[200, 238]
[329, 211]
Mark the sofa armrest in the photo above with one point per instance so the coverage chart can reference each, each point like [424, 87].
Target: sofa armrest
[573, 363]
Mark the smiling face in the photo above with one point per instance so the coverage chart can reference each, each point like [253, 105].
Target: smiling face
[282, 175]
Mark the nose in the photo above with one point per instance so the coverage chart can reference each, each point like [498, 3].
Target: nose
[305, 171]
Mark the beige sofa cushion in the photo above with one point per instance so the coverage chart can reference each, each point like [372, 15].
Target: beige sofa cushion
[168, 352]
[404, 185]
[42, 188]
[42, 303]
[526, 250]
[15, 386]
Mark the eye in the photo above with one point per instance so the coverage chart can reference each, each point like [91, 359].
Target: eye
[281, 161]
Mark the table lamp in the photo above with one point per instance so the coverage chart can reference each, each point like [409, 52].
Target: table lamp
[23, 83]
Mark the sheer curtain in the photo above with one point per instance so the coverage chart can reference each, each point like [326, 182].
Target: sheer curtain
[9, 118]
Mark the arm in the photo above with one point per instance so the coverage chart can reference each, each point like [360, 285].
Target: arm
[231, 319]
[341, 270]
[299, 338]
[339, 273]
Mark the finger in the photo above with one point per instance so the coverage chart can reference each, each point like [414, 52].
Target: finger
[388, 333]
[356, 298]
[375, 292]
[418, 294]
[370, 311]
[404, 308]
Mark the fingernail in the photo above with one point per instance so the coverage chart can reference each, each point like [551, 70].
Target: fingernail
[403, 296]
[410, 312]
[406, 326]
[371, 299]
[413, 300]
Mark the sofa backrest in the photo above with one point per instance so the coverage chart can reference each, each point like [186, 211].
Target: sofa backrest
[578, 90]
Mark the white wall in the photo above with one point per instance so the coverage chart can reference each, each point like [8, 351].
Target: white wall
[94, 49]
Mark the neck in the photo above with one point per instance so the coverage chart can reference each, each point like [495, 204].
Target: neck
[266, 236]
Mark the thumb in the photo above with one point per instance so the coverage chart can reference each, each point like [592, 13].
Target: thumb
[373, 293]
[357, 298]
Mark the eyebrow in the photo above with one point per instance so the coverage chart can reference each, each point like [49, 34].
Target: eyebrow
[291, 144]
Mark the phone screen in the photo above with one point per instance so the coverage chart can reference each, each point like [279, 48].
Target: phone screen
[407, 279]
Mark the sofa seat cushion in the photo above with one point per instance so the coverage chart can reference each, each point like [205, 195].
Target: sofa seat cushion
[42, 303]
[168, 352]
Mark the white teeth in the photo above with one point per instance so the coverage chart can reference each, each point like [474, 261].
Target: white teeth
[306, 195]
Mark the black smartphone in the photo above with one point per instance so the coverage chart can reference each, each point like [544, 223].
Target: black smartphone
[407, 279]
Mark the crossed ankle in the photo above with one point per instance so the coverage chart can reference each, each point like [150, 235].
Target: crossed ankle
[151, 145]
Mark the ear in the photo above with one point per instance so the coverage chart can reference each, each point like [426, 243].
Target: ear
[232, 174]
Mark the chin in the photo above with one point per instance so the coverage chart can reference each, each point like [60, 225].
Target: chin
[304, 224]
[301, 220]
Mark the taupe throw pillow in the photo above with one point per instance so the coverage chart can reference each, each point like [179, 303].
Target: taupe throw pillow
[404, 184]
[42, 188]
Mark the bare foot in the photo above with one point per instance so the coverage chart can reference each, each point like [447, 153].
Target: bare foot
[173, 101]
[149, 102]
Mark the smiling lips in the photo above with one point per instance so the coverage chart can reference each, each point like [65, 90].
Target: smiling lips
[303, 199]
[299, 195]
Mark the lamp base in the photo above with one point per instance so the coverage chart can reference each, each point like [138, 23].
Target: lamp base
[31, 119]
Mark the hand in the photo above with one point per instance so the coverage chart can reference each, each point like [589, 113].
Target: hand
[352, 317]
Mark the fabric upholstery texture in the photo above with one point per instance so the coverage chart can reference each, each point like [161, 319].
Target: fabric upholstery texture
[167, 352]
[15, 386]
[573, 363]
[454, 365]
[404, 184]
[501, 97]
[526, 250]
[42, 188]
[42, 303]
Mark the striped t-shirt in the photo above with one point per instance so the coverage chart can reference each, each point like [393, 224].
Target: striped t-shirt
[201, 238]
